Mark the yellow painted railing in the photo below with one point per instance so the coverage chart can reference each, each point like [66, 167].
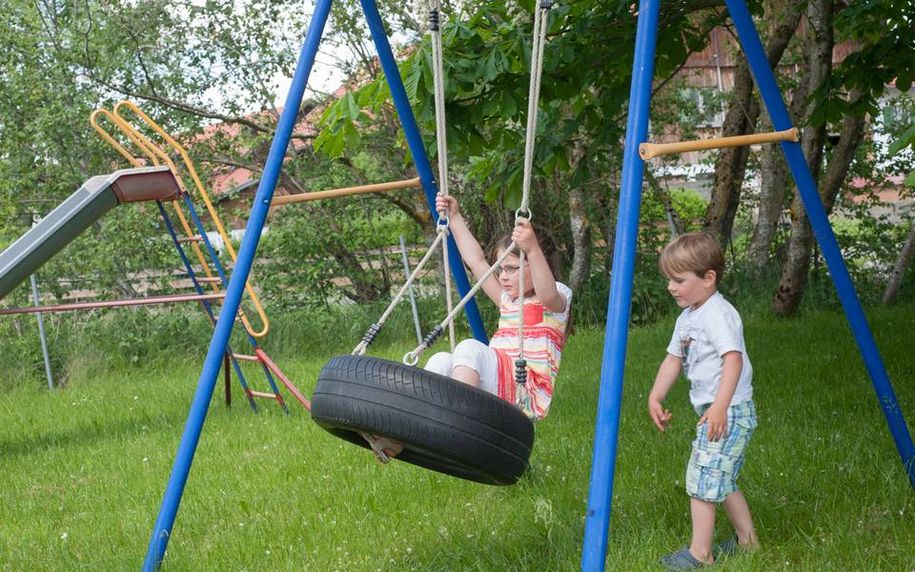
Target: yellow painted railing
[157, 156]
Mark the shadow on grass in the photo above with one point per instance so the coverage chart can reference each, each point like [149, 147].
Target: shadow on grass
[89, 433]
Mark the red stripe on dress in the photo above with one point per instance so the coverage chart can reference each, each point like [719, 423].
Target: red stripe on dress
[506, 374]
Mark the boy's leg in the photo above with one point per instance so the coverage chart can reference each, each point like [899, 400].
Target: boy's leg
[703, 514]
[739, 513]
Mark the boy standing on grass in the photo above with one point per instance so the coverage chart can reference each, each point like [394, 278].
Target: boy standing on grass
[708, 346]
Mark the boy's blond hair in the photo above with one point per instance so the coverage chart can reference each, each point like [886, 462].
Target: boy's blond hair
[695, 252]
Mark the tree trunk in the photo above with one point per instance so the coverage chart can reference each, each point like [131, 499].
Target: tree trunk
[579, 222]
[842, 156]
[818, 63]
[902, 261]
[581, 239]
[732, 161]
[673, 219]
[740, 119]
[608, 203]
[774, 191]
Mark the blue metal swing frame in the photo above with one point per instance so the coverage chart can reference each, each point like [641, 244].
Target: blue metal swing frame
[616, 337]
[606, 434]
[162, 529]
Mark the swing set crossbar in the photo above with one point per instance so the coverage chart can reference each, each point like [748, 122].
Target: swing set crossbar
[346, 191]
[652, 150]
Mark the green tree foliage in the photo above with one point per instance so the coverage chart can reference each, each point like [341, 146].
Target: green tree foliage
[885, 37]
[194, 64]
[487, 75]
[188, 63]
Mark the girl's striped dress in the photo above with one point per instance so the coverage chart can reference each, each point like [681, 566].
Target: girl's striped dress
[544, 336]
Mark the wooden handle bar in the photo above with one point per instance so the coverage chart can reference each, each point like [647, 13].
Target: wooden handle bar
[377, 188]
[650, 150]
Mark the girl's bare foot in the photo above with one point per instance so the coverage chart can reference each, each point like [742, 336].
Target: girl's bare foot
[384, 449]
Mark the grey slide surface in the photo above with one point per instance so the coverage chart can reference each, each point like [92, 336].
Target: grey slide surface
[60, 227]
[55, 231]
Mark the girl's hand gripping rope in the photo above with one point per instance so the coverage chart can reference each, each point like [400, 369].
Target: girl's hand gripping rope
[523, 235]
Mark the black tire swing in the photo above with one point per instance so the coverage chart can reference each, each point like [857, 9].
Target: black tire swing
[443, 424]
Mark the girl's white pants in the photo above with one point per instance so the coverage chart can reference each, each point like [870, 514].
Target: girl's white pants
[473, 354]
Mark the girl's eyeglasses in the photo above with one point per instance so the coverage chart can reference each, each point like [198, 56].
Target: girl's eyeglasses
[509, 270]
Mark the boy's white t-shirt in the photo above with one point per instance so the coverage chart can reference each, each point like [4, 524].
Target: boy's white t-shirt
[701, 337]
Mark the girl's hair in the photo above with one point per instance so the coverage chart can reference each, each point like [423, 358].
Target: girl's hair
[544, 239]
[695, 252]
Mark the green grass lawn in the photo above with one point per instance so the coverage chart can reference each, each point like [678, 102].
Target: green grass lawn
[83, 472]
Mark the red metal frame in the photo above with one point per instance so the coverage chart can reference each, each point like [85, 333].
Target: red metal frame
[265, 359]
[152, 300]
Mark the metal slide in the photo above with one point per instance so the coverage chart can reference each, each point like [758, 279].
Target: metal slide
[97, 196]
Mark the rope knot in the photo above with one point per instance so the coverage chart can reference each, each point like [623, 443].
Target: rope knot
[434, 20]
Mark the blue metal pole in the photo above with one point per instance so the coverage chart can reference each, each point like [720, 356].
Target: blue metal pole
[819, 220]
[418, 150]
[164, 523]
[606, 433]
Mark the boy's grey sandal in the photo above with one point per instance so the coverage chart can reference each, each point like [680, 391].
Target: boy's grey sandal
[682, 560]
[729, 547]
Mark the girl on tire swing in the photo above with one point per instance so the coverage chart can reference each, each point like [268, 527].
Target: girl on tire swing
[547, 305]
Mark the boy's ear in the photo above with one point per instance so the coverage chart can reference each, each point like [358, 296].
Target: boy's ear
[710, 276]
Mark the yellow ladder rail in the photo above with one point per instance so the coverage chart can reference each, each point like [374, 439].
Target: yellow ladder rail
[157, 156]
[145, 147]
[204, 195]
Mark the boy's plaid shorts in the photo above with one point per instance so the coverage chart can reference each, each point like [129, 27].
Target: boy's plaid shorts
[711, 474]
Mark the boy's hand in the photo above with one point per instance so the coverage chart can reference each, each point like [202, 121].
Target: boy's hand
[717, 418]
[523, 235]
[659, 415]
[447, 204]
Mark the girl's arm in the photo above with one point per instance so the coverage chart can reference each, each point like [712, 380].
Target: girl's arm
[471, 251]
[541, 275]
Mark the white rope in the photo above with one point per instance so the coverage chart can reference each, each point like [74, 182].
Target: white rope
[533, 99]
[441, 134]
[539, 41]
[411, 358]
[449, 303]
[533, 103]
[364, 344]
